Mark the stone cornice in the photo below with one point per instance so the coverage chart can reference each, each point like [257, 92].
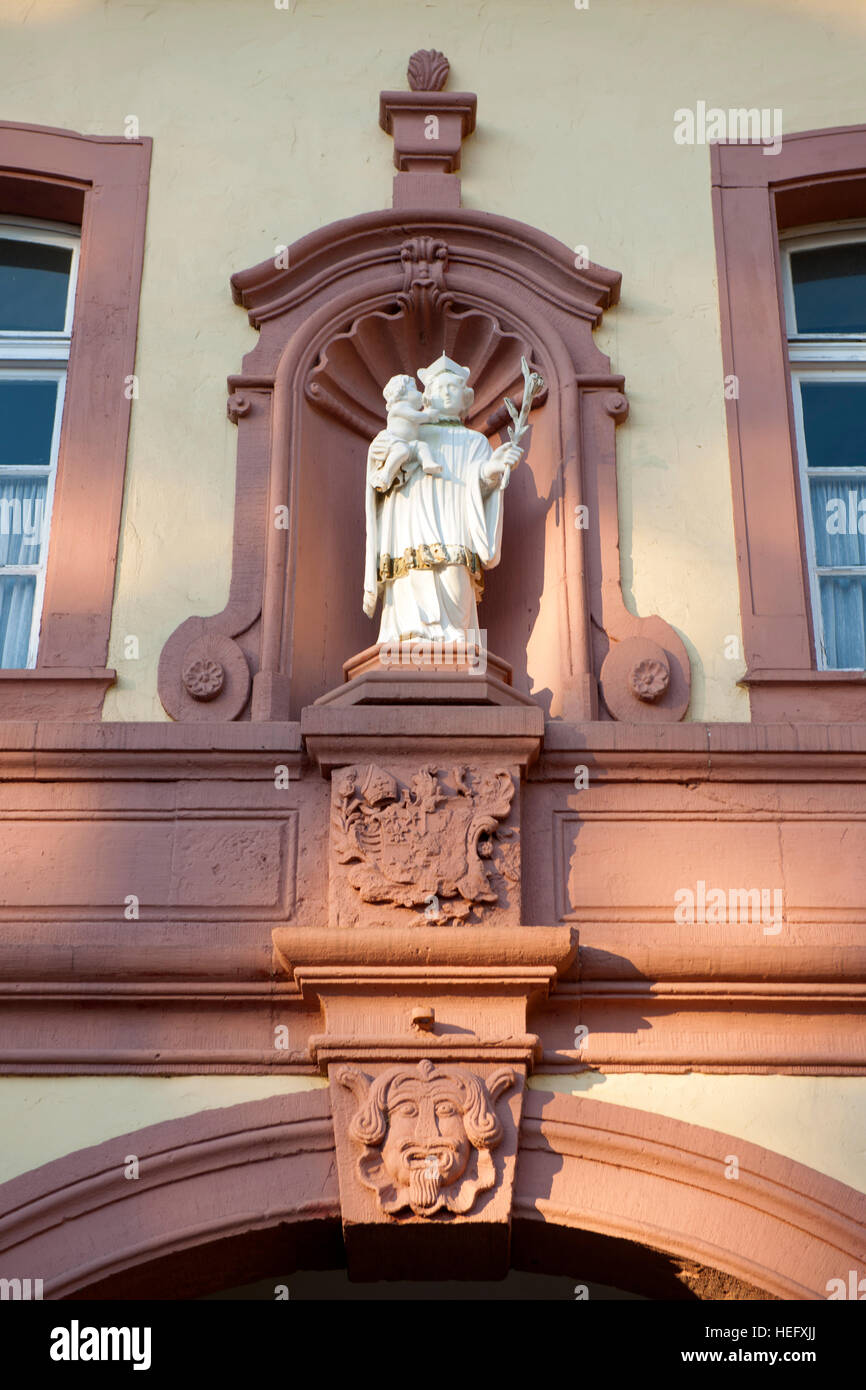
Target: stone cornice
[146, 750]
[727, 752]
[613, 750]
[85, 804]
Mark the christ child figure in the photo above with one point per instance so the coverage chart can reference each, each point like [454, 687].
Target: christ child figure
[406, 411]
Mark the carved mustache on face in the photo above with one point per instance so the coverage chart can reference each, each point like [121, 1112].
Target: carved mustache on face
[429, 1167]
[437, 1157]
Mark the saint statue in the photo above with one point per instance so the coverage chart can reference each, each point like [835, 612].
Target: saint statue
[433, 508]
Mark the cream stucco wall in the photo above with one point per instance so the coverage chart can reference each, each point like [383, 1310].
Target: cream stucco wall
[818, 1120]
[52, 1116]
[265, 126]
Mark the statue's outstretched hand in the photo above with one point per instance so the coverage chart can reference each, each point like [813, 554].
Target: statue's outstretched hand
[508, 454]
[503, 458]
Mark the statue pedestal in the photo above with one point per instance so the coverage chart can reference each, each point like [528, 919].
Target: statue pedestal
[425, 974]
[427, 748]
[426, 672]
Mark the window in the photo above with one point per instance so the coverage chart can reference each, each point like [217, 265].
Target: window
[790, 238]
[38, 268]
[825, 309]
[72, 214]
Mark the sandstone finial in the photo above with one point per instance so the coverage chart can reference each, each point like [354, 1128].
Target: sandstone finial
[428, 70]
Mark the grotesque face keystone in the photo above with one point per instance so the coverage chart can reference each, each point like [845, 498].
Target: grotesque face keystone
[427, 1133]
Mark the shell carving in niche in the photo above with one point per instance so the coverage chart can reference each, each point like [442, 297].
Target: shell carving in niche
[348, 378]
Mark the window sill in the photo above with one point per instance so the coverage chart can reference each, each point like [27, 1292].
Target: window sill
[54, 692]
[777, 674]
[823, 697]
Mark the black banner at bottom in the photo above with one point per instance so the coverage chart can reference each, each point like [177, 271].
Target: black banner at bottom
[222, 1338]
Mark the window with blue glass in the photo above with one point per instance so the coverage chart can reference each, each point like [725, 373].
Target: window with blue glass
[825, 303]
[38, 264]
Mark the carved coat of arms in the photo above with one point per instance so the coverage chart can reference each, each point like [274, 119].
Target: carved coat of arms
[429, 845]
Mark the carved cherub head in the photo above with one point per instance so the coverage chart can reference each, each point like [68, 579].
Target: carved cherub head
[402, 388]
[427, 1133]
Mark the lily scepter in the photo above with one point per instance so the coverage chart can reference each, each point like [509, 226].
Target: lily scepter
[532, 384]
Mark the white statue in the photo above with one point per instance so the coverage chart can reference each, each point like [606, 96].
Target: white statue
[406, 411]
[432, 531]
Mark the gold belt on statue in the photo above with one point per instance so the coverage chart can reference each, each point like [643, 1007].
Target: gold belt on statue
[429, 557]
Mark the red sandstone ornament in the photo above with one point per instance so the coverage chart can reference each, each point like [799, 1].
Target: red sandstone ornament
[428, 70]
[424, 845]
[427, 1133]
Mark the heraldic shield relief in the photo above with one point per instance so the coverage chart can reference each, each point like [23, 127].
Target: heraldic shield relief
[437, 844]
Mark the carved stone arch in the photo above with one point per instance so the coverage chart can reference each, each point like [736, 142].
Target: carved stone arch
[236, 1182]
[357, 301]
[778, 1230]
[603, 1192]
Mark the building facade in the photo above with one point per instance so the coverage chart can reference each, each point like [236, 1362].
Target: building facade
[539, 955]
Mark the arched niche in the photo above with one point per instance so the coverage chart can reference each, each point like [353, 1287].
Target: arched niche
[358, 301]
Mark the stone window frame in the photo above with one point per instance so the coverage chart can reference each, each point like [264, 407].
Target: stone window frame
[100, 184]
[818, 176]
[45, 354]
[822, 357]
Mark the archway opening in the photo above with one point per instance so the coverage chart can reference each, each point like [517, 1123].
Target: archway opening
[306, 1261]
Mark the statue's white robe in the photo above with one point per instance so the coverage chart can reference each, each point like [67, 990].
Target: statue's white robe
[433, 598]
